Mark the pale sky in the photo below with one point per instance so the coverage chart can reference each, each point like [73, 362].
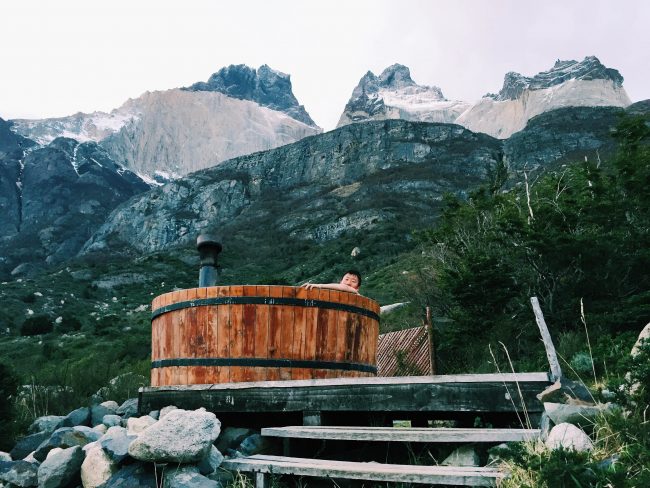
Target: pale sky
[65, 56]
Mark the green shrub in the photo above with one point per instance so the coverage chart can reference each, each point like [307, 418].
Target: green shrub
[69, 323]
[39, 324]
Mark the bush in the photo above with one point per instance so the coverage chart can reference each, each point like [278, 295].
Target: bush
[69, 323]
[39, 324]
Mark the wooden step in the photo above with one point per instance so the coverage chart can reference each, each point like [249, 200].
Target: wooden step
[398, 434]
[399, 473]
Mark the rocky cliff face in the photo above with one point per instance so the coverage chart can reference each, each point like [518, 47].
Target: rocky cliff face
[354, 178]
[394, 95]
[568, 84]
[166, 134]
[265, 86]
[53, 198]
[178, 132]
[388, 175]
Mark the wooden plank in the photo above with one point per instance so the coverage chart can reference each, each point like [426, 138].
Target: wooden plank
[212, 336]
[224, 328]
[461, 393]
[332, 333]
[439, 475]
[322, 325]
[311, 330]
[302, 329]
[286, 328]
[556, 371]
[391, 434]
[275, 333]
[249, 333]
[236, 334]
[261, 333]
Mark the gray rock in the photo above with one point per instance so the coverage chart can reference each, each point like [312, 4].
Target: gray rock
[180, 436]
[111, 420]
[165, 410]
[48, 424]
[66, 437]
[97, 468]
[98, 412]
[111, 405]
[568, 436]
[463, 456]
[19, 473]
[116, 443]
[154, 414]
[135, 425]
[211, 462]
[80, 416]
[495, 453]
[255, 444]
[5, 456]
[136, 475]
[128, 409]
[61, 468]
[101, 428]
[28, 444]
[574, 414]
[187, 477]
[565, 390]
[232, 437]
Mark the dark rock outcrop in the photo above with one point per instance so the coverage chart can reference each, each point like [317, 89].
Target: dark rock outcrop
[589, 68]
[266, 86]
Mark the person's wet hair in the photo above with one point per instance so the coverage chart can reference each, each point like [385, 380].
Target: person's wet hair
[355, 273]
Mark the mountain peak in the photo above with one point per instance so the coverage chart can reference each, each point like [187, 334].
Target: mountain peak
[588, 69]
[268, 87]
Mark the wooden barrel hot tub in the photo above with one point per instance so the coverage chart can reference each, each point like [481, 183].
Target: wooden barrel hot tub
[223, 334]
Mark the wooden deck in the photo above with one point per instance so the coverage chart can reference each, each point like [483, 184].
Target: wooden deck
[424, 397]
[392, 434]
[432, 475]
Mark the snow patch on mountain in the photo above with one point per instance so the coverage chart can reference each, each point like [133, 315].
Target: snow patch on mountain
[82, 127]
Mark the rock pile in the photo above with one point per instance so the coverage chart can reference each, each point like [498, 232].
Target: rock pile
[109, 446]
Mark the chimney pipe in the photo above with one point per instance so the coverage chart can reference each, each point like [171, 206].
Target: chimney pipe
[209, 248]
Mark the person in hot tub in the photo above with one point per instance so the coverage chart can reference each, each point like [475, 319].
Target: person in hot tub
[350, 282]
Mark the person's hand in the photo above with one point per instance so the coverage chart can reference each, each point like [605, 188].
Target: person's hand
[309, 286]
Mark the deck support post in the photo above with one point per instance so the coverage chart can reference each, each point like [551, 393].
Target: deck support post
[312, 418]
[261, 480]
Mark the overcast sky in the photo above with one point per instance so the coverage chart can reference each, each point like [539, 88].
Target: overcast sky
[64, 56]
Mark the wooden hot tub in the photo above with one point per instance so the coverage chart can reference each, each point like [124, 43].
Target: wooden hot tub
[223, 334]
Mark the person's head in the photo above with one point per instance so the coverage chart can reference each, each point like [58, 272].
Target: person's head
[352, 278]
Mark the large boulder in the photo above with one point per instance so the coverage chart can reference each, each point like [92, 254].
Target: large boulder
[80, 416]
[19, 473]
[463, 456]
[97, 412]
[112, 420]
[232, 437]
[128, 409]
[60, 468]
[135, 425]
[47, 424]
[116, 443]
[66, 437]
[211, 462]
[568, 436]
[97, 468]
[28, 444]
[181, 436]
[567, 391]
[136, 475]
[574, 414]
